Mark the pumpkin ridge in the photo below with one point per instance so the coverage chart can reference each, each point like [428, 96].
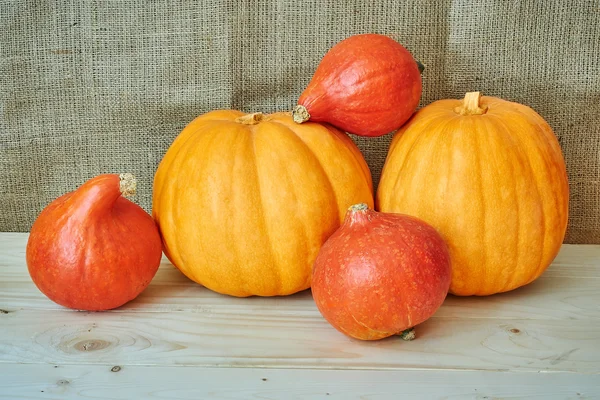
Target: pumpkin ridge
[509, 285]
[500, 137]
[544, 128]
[316, 159]
[160, 183]
[483, 201]
[264, 216]
[185, 145]
[355, 154]
[506, 135]
[233, 161]
[248, 133]
[183, 156]
[541, 130]
[437, 130]
[351, 148]
[554, 151]
[346, 149]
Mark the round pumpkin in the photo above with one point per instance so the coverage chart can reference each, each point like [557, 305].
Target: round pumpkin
[380, 274]
[244, 202]
[490, 176]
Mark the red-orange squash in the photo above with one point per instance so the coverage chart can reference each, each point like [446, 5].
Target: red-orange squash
[93, 249]
[244, 202]
[380, 274]
[490, 176]
[368, 85]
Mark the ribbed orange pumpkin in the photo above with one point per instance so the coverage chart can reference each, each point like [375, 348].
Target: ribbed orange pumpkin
[490, 176]
[244, 202]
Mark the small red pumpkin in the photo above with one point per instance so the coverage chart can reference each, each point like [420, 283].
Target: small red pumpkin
[380, 274]
[92, 249]
[368, 85]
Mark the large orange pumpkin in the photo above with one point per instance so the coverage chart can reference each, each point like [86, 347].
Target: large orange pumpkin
[244, 202]
[489, 175]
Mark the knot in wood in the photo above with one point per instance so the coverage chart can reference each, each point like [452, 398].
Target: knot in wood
[91, 345]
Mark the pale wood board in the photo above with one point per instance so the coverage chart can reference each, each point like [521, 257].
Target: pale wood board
[268, 338]
[110, 382]
[539, 341]
[564, 291]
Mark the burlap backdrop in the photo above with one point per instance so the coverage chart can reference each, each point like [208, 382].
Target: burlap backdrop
[89, 87]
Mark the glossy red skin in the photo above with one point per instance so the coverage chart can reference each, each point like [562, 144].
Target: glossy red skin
[380, 274]
[368, 85]
[93, 249]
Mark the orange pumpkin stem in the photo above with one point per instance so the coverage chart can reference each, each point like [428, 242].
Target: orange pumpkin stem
[127, 184]
[471, 105]
[250, 119]
[300, 114]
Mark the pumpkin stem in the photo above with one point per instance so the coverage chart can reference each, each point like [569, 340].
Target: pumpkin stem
[127, 184]
[358, 214]
[408, 334]
[359, 207]
[300, 114]
[420, 66]
[471, 105]
[250, 119]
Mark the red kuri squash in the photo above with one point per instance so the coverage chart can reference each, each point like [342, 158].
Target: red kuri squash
[368, 85]
[380, 274]
[93, 249]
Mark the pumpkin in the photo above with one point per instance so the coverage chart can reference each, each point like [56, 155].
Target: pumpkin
[368, 85]
[92, 249]
[244, 201]
[489, 175]
[380, 274]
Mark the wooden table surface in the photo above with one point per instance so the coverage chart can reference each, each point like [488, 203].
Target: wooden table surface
[178, 340]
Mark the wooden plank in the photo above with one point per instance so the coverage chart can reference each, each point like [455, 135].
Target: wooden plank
[267, 338]
[567, 298]
[556, 295]
[109, 382]
[573, 261]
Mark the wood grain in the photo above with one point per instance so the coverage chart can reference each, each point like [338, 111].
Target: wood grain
[110, 382]
[178, 340]
[271, 338]
[567, 290]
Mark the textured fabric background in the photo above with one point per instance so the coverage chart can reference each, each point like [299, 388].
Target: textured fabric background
[89, 87]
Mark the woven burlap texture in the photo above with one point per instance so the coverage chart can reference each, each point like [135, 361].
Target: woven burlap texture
[93, 87]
